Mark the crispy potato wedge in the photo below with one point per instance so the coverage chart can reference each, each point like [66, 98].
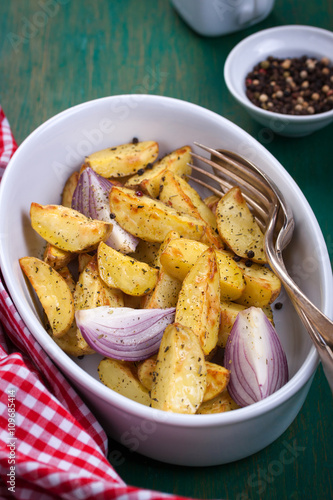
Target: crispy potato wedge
[211, 202]
[68, 277]
[146, 251]
[181, 254]
[146, 372]
[122, 160]
[125, 273]
[121, 377]
[198, 305]
[217, 380]
[66, 228]
[178, 194]
[238, 228]
[56, 257]
[262, 286]
[149, 182]
[180, 379]
[83, 259]
[165, 293]
[53, 293]
[221, 403]
[73, 343]
[229, 311]
[91, 291]
[149, 219]
[69, 188]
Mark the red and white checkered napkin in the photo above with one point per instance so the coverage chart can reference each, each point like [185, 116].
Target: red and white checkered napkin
[51, 446]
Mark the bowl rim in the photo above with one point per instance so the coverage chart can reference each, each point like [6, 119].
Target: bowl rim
[241, 96]
[84, 379]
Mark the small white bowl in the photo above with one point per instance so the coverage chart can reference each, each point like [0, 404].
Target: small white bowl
[37, 173]
[281, 42]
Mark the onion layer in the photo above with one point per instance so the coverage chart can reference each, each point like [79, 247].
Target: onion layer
[255, 357]
[124, 333]
[91, 198]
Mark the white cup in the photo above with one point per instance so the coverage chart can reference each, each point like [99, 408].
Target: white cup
[220, 17]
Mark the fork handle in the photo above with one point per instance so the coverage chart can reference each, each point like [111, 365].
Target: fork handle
[319, 326]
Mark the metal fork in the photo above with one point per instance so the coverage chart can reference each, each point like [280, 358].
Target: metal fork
[276, 220]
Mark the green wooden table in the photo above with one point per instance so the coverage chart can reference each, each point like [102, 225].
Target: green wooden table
[58, 53]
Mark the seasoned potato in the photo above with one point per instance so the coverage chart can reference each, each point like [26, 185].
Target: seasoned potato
[150, 219]
[146, 372]
[198, 305]
[91, 291]
[56, 257]
[178, 194]
[149, 182]
[221, 403]
[217, 380]
[180, 379]
[69, 188]
[181, 254]
[238, 228]
[123, 160]
[262, 286]
[124, 272]
[146, 251]
[73, 343]
[165, 293]
[83, 259]
[66, 228]
[120, 376]
[53, 293]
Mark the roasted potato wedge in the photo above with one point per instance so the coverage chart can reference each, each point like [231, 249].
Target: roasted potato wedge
[56, 257]
[221, 403]
[262, 286]
[146, 251]
[217, 380]
[121, 377]
[180, 379]
[181, 254]
[73, 343]
[149, 182]
[125, 273]
[66, 228]
[146, 372]
[69, 188]
[123, 160]
[83, 259]
[149, 219]
[198, 305]
[53, 293]
[91, 291]
[238, 227]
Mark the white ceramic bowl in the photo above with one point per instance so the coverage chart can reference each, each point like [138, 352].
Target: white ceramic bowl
[282, 42]
[37, 173]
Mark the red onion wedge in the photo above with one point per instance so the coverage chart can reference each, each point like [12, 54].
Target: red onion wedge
[255, 357]
[91, 198]
[124, 333]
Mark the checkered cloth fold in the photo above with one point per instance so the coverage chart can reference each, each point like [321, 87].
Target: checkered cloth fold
[51, 445]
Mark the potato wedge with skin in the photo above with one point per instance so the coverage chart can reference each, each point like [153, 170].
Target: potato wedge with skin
[56, 257]
[150, 219]
[165, 293]
[180, 255]
[220, 404]
[69, 188]
[178, 194]
[73, 343]
[217, 380]
[238, 228]
[120, 376]
[53, 293]
[146, 251]
[146, 372]
[262, 286]
[83, 259]
[180, 378]
[198, 305]
[149, 182]
[229, 311]
[125, 273]
[66, 228]
[91, 291]
[122, 160]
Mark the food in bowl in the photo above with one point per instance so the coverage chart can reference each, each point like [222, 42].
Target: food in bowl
[181, 278]
[294, 86]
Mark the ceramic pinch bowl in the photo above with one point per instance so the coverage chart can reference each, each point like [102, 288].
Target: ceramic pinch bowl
[280, 42]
